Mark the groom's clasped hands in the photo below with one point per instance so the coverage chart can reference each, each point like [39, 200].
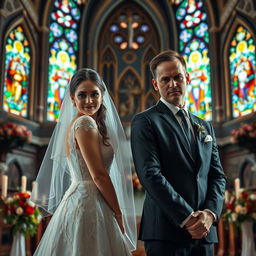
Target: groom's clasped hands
[199, 224]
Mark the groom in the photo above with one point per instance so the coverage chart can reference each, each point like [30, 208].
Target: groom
[177, 162]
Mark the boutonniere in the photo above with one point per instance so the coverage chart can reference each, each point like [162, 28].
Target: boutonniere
[199, 128]
[208, 138]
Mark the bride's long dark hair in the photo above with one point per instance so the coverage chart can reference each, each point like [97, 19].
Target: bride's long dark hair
[89, 74]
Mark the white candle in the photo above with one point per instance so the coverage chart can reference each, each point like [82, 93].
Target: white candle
[44, 199]
[4, 186]
[1, 178]
[226, 196]
[34, 190]
[23, 184]
[237, 187]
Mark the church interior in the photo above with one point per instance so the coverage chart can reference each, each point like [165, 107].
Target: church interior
[43, 43]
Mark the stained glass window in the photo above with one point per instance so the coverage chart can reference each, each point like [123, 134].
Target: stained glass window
[194, 45]
[17, 71]
[129, 30]
[63, 39]
[242, 61]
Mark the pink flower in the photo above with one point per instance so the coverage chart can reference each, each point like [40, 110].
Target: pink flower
[13, 135]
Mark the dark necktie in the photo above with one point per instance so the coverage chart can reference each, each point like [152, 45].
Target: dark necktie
[190, 137]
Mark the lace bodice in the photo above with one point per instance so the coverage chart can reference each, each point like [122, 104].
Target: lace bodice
[78, 168]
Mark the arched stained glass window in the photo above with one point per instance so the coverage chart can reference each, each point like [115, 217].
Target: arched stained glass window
[17, 72]
[242, 61]
[194, 45]
[63, 39]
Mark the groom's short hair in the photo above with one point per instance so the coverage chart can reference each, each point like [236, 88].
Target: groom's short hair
[168, 55]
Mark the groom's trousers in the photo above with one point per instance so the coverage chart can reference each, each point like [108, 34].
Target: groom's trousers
[166, 248]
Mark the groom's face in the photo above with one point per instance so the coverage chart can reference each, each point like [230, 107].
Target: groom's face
[171, 81]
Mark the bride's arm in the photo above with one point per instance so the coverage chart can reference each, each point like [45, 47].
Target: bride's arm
[89, 145]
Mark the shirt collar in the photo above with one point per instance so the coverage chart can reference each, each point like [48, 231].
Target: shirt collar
[173, 108]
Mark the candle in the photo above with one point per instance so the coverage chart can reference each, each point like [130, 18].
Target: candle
[226, 196]
[44, 199]
[1, 178]
[4, 186]
[237, 187]
[23, 184]
[34, 190]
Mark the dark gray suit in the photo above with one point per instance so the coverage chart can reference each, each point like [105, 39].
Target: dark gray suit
[175, 183]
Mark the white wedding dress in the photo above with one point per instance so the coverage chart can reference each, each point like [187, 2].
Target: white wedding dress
[83, 224]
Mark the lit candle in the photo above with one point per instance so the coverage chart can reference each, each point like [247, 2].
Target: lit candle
[237, 187]
[4, 186]
[23, 183]
[34, 190]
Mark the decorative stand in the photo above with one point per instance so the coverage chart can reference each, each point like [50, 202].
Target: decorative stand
[248, 246]
[18, 245]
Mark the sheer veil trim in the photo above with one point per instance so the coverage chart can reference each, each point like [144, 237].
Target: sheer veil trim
[54, 175]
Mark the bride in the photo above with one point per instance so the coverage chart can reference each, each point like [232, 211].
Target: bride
[85, 177]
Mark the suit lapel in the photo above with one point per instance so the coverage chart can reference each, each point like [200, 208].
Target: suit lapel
[198, 137]
[172, 121]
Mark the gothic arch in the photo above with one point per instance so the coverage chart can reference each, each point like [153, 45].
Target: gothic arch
[231, 31]
[146, 58]
[107, 69]
[151, 98]
[102, 15]
[21, 21]
[210, 6]
[125, 71]
[130, 93]
[14, 175]
[146, 75]
[137, 33]
[247, 174]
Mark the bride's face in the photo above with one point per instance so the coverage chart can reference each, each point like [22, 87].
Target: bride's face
[87, 98]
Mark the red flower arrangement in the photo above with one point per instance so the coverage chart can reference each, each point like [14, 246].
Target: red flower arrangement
[238, 210]
[245, 136]
[22, 213]
[13, 135]
[137, 187]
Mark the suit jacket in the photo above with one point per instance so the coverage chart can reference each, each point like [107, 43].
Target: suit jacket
[175, 183]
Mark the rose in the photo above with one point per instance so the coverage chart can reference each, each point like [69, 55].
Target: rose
[238, 208]
[253, 197]
[19, 210]
[234, 217]
[13, 135]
